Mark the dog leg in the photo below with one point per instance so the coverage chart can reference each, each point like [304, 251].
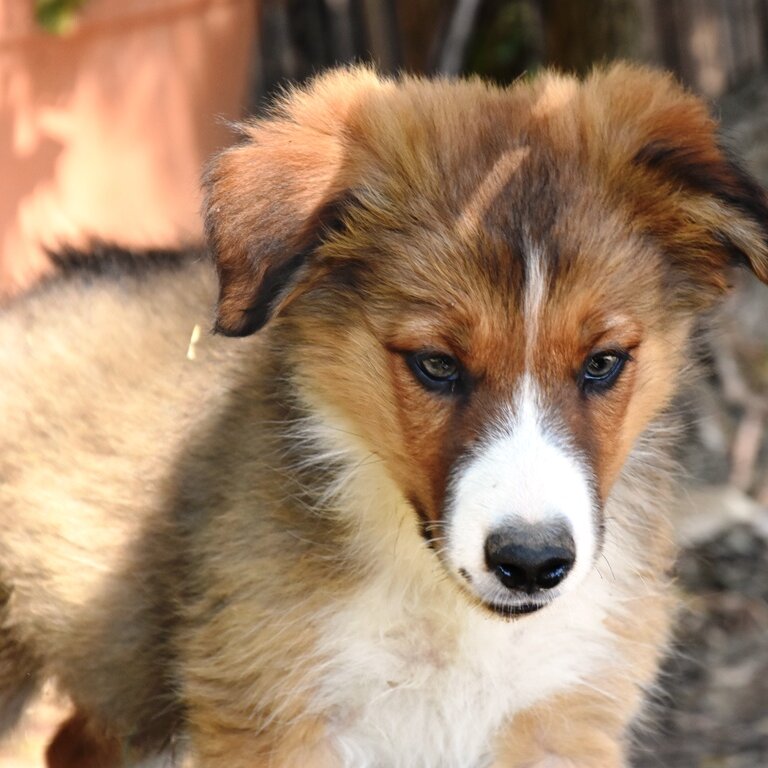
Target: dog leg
[579, 730]
[79, 743]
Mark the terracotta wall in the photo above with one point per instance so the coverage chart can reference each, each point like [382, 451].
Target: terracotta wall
[103, 131]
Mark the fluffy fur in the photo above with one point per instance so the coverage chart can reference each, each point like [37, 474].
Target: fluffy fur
[268, 551]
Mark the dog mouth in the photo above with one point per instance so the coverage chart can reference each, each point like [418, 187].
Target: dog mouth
[505, 609]
[513, 610]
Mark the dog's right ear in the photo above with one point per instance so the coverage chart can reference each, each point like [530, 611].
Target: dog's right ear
[269, 199]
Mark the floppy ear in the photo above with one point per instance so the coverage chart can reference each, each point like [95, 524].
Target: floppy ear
[684, 188]
[269, 199]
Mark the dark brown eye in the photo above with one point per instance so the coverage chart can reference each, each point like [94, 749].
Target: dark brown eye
[439, 367]
[602, 369]
[435, 370]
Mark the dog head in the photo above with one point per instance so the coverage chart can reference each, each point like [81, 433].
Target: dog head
[489, 290]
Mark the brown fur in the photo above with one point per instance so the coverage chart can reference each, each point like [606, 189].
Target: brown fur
[169, 545]
[79, 742]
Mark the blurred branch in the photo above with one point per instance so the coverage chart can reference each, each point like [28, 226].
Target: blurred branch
[746, 448]
[381, 27]
[459, 33]
[747, 440]
[579, 34]
[342, 28]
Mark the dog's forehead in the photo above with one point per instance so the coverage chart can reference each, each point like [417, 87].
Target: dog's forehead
[468, 141]
[526, 229]
[487, 181]
[491, 207]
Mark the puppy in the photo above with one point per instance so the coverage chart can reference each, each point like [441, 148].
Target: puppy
[415, 517]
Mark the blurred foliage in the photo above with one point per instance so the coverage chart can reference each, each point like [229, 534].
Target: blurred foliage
[57, 16]
[578, 35]
[507, 40]
[512, 37]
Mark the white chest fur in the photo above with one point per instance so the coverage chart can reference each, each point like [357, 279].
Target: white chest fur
[418, 679]
[413, 675]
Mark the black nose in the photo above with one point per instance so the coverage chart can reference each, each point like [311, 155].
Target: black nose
[531, 558]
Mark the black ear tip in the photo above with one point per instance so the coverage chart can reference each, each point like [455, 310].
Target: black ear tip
[241, 323]
[245, 306]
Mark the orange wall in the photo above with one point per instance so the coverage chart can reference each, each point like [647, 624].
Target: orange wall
[103, 131]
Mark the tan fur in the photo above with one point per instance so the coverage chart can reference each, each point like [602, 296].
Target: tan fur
[179, 537]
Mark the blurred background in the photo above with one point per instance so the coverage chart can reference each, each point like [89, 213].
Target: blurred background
[109, 108]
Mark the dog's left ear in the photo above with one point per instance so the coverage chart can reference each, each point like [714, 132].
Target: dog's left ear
[269, 200]
[684, 188]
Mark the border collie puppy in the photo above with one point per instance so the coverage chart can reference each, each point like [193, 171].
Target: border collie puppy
[417, 517]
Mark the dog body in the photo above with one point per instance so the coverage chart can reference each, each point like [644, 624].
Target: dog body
[371, 640]
[419, 518]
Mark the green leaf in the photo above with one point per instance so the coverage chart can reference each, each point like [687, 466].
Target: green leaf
[57, 16]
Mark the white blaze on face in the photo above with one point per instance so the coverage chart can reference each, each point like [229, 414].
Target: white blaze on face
[533, 301]
[525, 473]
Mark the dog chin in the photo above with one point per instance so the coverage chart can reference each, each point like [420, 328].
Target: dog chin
[508, 609]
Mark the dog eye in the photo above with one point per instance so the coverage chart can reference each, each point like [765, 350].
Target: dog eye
[434, 370]
[601, 370]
